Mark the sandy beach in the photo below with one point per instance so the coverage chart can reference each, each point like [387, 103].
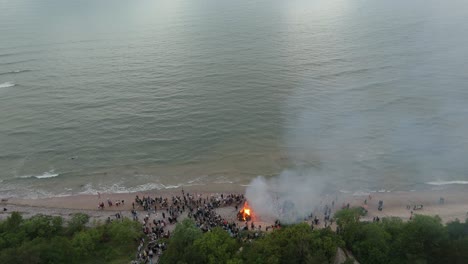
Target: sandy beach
[395, 204]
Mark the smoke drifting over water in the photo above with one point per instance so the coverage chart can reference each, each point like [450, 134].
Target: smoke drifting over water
[365, 139]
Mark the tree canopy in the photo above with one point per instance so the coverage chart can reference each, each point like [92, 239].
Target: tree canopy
[424, 239]
[47, 239]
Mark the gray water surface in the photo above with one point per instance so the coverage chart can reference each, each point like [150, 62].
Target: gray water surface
[132, 95]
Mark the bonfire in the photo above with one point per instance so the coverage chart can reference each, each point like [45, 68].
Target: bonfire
[245, 214]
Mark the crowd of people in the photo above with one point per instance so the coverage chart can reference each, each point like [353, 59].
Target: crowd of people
[162, 212]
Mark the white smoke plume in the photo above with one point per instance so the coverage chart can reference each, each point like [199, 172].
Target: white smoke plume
[361, 136]
[298, 191]
[289, 197]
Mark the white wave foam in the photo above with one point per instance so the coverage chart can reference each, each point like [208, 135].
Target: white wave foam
[197, 180]
[14, 72]
[438, 183]
[146, 187]
[89, 189]
[20, 71]
[118, 188]
[383, 190]
[364, 192]
[24, 193]
[7, 84]
[171, 186]
[45, 175]
[222, 180]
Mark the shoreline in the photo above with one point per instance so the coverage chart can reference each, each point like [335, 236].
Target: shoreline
[14, 192]
[394, 203]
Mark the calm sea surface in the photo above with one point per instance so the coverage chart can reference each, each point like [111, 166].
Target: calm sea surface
[115, 95]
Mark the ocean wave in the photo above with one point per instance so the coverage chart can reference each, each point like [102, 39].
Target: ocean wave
[9, 190]
[223, 180]
[14, 72]
[171, 186]
[7, 84]
[45, 175]
[197, 180]
[220, 181]
[382, 191]
[364, 192]
[438, 183]
[17, 62]
[118, 188]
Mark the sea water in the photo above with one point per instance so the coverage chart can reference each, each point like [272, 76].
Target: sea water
[118, 95]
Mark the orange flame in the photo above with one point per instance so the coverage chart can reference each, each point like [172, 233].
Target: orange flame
[245, 213]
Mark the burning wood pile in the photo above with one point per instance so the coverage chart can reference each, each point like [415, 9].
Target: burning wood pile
[245, 214]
